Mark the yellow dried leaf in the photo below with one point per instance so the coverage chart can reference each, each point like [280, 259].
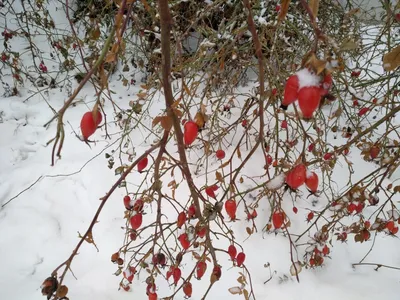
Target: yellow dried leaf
[111, 57]
[246, 294]
[200, 119]
[219, 177]
[62, 291]
[391, 60]
[185, 87]
[314, 5]
[348, 45]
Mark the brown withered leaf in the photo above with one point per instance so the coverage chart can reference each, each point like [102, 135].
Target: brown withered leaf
[352, 12]
[219, 177]
[284, 10]
[318, 65]
[164, 121]
[142, 95]
[246, 294]
[348, 44]
[314, 5]
[200, 119]
[391, 60]
[187, 90]
[62, 291]
[95, 112]
[96, 33]
[110, 57]
[235, 290]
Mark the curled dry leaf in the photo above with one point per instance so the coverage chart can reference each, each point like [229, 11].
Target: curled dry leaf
[295, 268]
[62, 291]
[284, 9]
[391, 60]
[235, 290]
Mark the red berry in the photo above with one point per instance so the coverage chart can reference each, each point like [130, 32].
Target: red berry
[375, 100]
[310, 216]
[153, 296]
[367, 224]
[390, 226]
[187, 289]
[159, 259]
[181, 219]
[230, 207]
[277, 8]
[217, 272]
[232, 252]
[325, 250]
[240, 259]
[136, 221]
[284, 124]
[88, 126]
[274, 92]
[184, 240]
[363, 111]
[355, 103]
[309, 98]
[397, 17]
[278, 219]
[142, 164]
[129, 273]
[328, 156]
[138, 205]
[191, 211]
[210, 190]
[312, 182]
[127, 202]
[326, 84]
[311, 147]
[201, 268]
[295, 209]
[176, 275]
[220, 154]
[244, 123]
[355, 73]
[296, 177]
[252, 215]
[170, 272]
[202, 231]
[269, 159]
[291, 91]
[374, 152]
[190, 132]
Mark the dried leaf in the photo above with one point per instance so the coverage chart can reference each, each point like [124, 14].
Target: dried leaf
[95, 111]
[235, 290]
[185, 87]
[314, 5]
[219, 177]
[284, 9]
[391, 60]
[200, 119]
[348, 45]
[249, 231]
[224, 164]
[62, 291]
[96, 33]
[111, 57]
[352, 12]
[142, 95]
[246, 294]
[164, 121]
[317, 64]
[239, 154]
[295, 268]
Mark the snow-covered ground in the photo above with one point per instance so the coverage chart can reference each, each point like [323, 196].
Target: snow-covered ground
[43, 208]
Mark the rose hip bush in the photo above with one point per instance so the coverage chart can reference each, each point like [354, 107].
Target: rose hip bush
[261, 111]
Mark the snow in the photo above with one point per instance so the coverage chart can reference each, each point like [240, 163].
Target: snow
[50, 205]
[307, 78]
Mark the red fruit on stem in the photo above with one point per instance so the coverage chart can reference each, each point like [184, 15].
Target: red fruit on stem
[278, 219]
[274, 92]
[220, 154]
[328, 156]
[232, 252]
[181, 219]
[184, 240]
[138, 205]
[312, 182]
[295, 209]
[363, 111]
[351, 208]
[269, 159]
[129, 273]
[201, 268]
[202, 232]
[142, 164]
[310, 216]
[191, 211]
[190, 132]
[217, 272]
[277, 8]
[309, 98]
[153, 296]
[311, 147]
[88, 126]
[170, 272]
[240, 259]
[374, 152]
[176, 275]
[136, 221]
[291, 91]
[244, 123]
[187, 289]
[327, 82]
[296, 177]
[397, 17]
[284, 124]
[127, 202]
[355, 73]
[390, 226]
[230, 207]
[325, 250]
[210, 190]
